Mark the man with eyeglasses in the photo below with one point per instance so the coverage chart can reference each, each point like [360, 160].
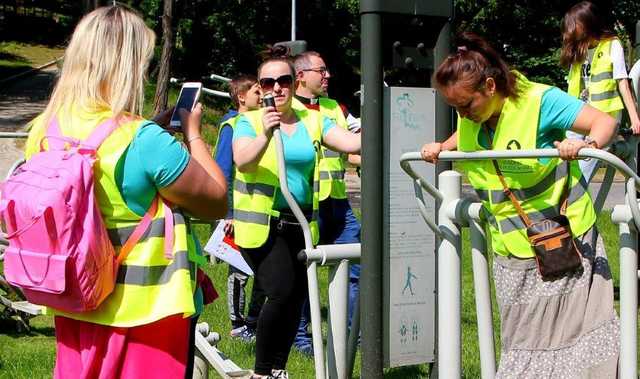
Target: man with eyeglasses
[338, 224]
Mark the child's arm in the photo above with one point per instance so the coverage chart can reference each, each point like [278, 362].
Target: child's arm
[630, 104]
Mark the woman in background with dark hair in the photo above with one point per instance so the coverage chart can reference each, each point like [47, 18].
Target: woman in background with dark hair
[560, 327]
[265, 227]
[597, 69]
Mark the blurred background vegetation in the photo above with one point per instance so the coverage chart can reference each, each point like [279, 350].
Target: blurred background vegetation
[225, 36]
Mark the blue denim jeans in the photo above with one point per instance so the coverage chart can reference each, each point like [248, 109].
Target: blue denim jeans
[338, 225]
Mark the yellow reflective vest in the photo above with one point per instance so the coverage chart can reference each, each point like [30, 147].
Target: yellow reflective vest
[149, 286]
[254, 192]
[603, 89]
[538, 186]
[331, 162]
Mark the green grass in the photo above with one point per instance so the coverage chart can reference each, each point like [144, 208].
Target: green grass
[16, 57]
[31, 356]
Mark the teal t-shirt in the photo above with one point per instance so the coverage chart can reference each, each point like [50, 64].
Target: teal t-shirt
[558, 112]
[299, 156]
[153, 160]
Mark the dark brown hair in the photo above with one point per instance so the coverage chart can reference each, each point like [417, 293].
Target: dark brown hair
[473, 62]
[239, 86]
[277, 53]
[581, 25]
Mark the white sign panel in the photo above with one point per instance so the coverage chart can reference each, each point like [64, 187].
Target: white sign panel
[409, 244]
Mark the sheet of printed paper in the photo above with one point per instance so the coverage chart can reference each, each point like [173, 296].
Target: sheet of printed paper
[222, 247]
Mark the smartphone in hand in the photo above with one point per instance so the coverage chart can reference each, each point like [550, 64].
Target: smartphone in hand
[188, 98]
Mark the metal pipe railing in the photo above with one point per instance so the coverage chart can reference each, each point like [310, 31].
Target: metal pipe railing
[14, 134]
[219, 78]
[455, 210]
[484, 311]
[312, 272]
[325, 254]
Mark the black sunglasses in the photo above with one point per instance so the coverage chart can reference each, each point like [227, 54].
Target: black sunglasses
[284, 81]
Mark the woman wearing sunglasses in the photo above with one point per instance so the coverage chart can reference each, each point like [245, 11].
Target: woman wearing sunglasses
[265, 228]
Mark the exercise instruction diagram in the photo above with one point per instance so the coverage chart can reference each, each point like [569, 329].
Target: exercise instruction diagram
[409, 244]
[407, 284]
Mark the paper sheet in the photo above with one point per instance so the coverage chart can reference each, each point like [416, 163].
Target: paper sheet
[222, 246]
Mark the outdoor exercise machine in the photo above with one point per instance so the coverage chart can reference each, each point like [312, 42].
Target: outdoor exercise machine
[456, 211]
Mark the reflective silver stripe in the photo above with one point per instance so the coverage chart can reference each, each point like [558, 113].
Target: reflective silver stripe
[119, 236]
[316, 186]
[578, 190]
[253, 188]
[498, 196]
[152, 275]
[331, 154]
[251, 217]
[489, 217]
[604, 95]
[602, 76]
[335, 175]
[515, 222]
[482, 194]
[314, 215]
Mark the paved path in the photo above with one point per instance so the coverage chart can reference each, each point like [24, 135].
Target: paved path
[20, 102]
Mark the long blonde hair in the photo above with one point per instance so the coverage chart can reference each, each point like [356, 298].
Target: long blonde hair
[105, 64]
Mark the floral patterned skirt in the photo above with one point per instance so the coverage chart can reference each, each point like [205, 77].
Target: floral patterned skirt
[564, 328]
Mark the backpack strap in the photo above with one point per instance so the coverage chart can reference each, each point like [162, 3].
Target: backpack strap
[55, 137]
[57, 140]
[168, 230]
[142, 227]
[100, 133]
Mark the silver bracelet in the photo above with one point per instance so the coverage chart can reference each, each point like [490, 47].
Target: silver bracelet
[193, 139]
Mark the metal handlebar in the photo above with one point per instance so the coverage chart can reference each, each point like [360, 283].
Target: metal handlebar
[219, 78]
[633, 182]
[208, 91]
[284, 188]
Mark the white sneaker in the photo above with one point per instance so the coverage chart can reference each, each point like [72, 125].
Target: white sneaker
[279, 374]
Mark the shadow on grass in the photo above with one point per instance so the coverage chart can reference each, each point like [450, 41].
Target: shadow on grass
[12, 57]
[408, 372]
[9, 71]
[10, 328]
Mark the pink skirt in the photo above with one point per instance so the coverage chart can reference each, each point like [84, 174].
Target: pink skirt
[88, 350]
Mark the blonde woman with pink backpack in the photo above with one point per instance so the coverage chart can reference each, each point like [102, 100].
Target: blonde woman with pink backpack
[140, 323]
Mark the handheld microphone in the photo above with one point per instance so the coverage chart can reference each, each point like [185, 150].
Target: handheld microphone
[268, 100]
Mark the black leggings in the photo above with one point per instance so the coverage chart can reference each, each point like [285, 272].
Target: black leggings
[284, 280]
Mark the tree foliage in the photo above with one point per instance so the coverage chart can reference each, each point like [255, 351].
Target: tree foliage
[528, 31]
[225, 36]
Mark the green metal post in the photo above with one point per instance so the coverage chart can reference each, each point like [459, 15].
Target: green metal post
[372, 183]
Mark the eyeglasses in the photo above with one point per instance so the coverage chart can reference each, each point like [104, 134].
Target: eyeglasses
[284, 81]
[320, 70]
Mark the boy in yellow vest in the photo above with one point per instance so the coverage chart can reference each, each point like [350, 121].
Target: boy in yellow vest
[245, 96]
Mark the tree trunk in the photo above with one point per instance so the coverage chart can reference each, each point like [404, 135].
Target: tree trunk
[162, 84]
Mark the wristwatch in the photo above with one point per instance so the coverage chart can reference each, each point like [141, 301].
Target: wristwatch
[591, 142]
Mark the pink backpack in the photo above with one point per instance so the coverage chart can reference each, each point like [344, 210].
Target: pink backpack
[59, 252]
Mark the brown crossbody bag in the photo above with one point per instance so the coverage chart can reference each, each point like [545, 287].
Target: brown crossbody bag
[551, 238]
